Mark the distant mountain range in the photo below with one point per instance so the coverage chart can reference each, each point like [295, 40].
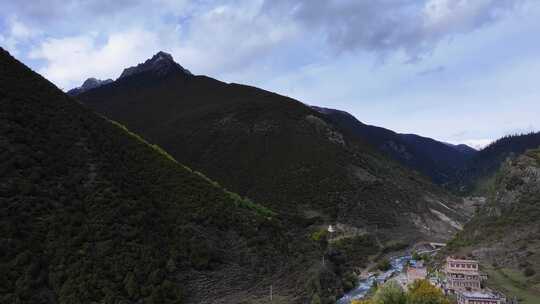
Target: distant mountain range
[438, 160]
[274, 149]
[88, 84]
[479, 171]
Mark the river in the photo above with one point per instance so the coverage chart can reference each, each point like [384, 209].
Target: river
[364, 285]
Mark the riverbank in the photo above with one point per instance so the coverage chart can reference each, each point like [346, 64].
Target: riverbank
[397, 266]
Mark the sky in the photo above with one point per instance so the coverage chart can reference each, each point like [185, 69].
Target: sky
[460, 71]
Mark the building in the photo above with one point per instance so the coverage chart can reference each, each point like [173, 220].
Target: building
[462, 275]
[479, 297]
[416, 271]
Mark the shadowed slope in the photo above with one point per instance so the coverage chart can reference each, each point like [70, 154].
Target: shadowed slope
[277, 151]
[92, 213]
[437, 160]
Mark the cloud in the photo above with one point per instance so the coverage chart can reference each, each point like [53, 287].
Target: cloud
[431, 71]
[224, 37]
[15, 34]
[478, 143]
[213, 40]
[414, 27]
[71, 60]
[237, 39]
[230, 38]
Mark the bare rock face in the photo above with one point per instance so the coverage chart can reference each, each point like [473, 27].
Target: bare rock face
[89, 84]
[160, 64]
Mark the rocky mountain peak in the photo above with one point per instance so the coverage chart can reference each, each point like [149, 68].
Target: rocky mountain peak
[92, 83]
[88, 84]
[161, 64]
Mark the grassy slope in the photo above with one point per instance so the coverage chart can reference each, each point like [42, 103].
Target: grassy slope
[513, 283]
[89, 212]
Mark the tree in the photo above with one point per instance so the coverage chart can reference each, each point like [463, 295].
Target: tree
[171, 265]
[384, 265]
[316, 299]
[529, 272]
[320, 236]
[130, 286]
[390, 293]
[423, 292]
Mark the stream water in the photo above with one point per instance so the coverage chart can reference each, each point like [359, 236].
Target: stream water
[364, 285]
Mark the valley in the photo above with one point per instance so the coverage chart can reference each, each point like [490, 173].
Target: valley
[163, 186]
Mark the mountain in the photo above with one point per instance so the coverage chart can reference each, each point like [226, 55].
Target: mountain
[467, 150]
[435, 159]
[92, 213]
[278, 152]
[505, 233]
[161, 64]
[479, 171]
[88, 84]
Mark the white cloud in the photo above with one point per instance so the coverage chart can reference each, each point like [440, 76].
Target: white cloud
[20, 30]
[216, 41]
[478, 143]
[230, 38]
[454, 16]
[16, 34]
[384, 27]
[9, 44]
[71, 60]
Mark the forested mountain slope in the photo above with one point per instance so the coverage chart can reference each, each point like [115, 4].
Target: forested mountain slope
[275, 150]
[90, 213]
[437, 160]
[480, 169]
[505, 232]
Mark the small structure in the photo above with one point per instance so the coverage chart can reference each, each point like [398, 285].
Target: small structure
[462, 275]
[479, 297]
[416, 270]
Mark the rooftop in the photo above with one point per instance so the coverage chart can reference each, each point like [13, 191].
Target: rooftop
[480, 295]
[461, 260]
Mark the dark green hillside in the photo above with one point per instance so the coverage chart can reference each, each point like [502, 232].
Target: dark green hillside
[90, 213]
[436, 160]
[505, 233]
[479, 172]
[277, 151]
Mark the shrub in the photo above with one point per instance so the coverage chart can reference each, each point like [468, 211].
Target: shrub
[423, 292]
[390, 293]
[316, 299]
[349, 281]
[384, 265]
[529, 272]
[319, 235]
